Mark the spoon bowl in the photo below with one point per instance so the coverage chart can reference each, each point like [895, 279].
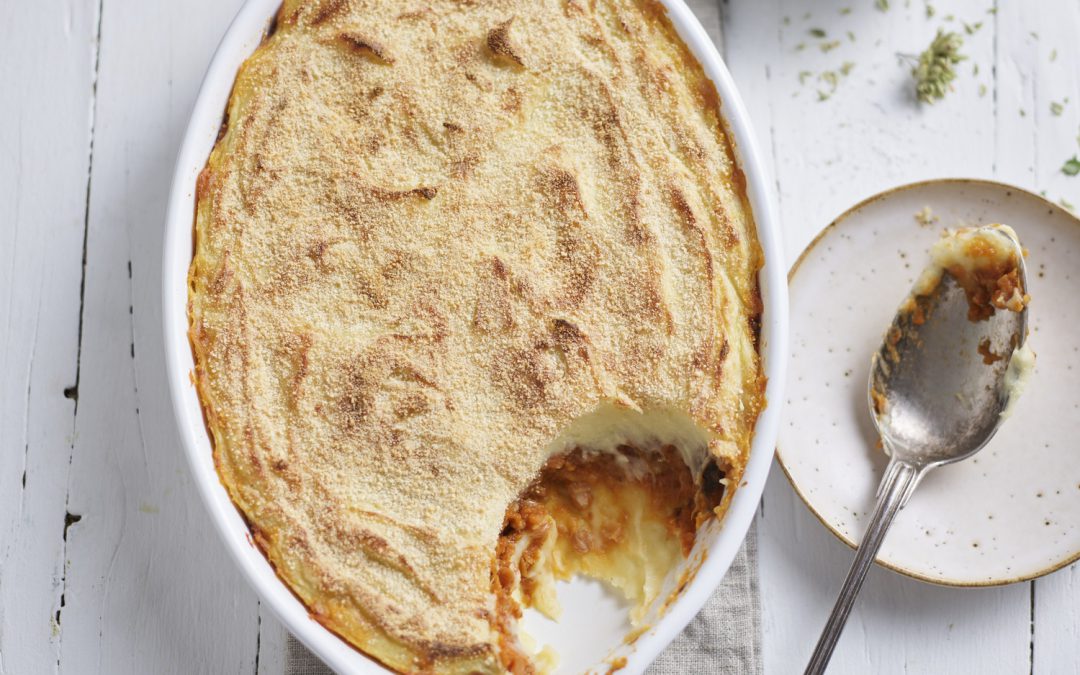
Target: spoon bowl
[937, 388]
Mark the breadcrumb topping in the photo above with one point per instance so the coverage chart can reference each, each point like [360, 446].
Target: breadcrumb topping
[432, 235]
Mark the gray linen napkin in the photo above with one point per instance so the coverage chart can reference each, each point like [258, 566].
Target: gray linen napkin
[726, 636]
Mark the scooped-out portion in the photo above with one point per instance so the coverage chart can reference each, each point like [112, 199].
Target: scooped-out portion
[627, 516]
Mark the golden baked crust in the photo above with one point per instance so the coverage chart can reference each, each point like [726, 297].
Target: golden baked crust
[432, 235]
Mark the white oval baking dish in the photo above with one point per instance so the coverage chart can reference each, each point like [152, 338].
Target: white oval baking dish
[592, 628]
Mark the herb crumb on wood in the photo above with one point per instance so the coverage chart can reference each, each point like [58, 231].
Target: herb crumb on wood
[935, 69]
[1071, 166]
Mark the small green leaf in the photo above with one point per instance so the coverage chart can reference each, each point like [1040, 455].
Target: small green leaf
[1071, 167]
[1057, 108]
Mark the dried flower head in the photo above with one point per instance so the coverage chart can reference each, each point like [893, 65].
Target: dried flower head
[935, 70]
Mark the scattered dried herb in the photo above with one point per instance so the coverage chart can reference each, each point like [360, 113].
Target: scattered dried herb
[1071, 166]
[1057, 108]
[935, 70]
[827, 47]
[817, 32]
[882, 5]
[830, 78]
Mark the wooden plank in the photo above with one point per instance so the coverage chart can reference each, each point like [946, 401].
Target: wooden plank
[1056, 625]
[273, 644]
[45, 136]
[149, 588]
[831, 150]
[1038, 61]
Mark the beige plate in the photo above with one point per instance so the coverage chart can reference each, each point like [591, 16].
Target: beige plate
[1012, 512]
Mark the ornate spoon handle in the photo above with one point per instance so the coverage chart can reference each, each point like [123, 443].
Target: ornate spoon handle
[896, 486]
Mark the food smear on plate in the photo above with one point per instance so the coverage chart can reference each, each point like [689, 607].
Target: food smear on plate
[1017, 375]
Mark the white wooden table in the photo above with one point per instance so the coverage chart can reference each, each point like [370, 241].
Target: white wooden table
[108, 563]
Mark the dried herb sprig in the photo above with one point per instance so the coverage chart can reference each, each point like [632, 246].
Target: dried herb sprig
[935, 69]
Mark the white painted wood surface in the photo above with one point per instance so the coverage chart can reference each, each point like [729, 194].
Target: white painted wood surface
[108, 563]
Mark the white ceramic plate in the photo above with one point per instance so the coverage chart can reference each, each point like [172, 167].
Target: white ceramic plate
[1010, 513]
[594, 625]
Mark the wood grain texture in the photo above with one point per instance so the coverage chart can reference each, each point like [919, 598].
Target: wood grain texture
[1038, 64]
[834, 149]
[88, 133]
[45, 135]
[148, 588]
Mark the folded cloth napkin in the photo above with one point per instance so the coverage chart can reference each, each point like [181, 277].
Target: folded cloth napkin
[726, 636]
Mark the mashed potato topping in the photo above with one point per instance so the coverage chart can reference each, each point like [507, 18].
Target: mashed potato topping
[439, 244]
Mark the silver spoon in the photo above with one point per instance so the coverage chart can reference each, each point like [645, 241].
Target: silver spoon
[934, 402]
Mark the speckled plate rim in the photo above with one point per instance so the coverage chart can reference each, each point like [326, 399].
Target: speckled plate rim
[821, 237]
